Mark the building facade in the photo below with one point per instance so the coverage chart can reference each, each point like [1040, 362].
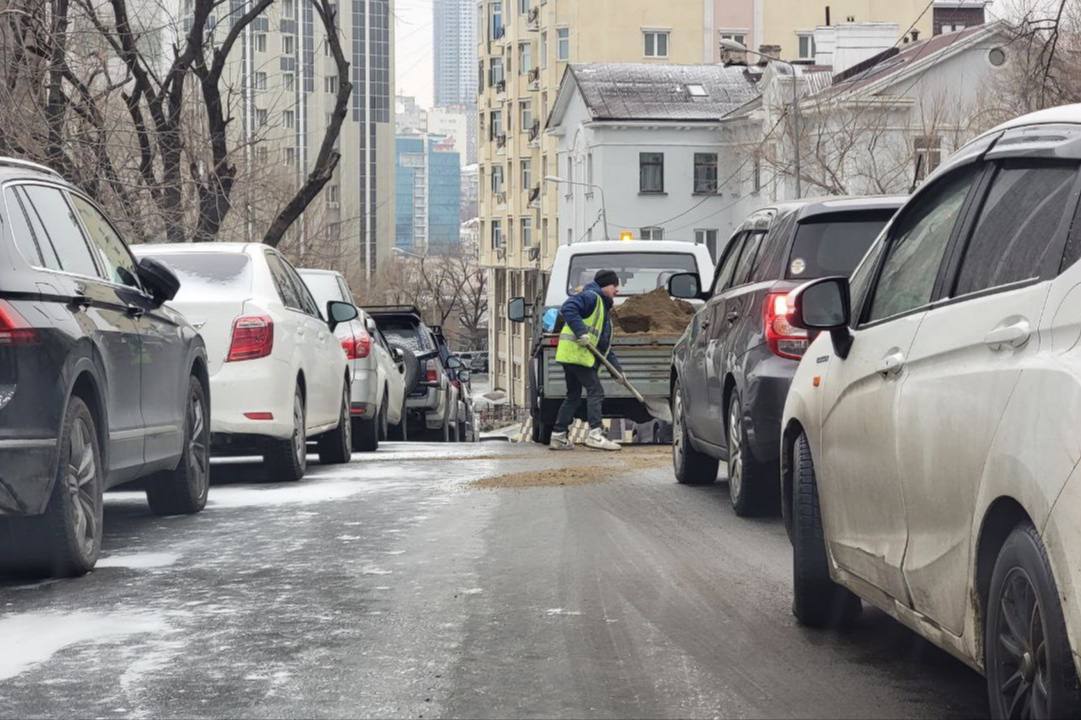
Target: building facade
[454, 43]
[523, 48]
[428, 187]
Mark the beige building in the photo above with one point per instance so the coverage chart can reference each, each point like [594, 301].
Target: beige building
[524, 47]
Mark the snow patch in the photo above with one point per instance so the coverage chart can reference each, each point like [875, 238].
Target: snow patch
[304, 494]
[551, 612]
[140, 561]
[372, 570]
[472, 591]
[33, 638]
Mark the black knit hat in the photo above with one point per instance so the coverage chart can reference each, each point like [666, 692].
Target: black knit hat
[606, 277]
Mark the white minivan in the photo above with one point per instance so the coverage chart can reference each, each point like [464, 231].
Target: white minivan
[278, 374]
[931, 440]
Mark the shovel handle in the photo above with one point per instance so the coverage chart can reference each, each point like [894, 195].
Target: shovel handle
[620, 378]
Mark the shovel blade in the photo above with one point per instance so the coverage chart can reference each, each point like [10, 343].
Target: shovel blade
[658, 408]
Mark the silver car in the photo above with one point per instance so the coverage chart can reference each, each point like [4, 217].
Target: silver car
[379, 371]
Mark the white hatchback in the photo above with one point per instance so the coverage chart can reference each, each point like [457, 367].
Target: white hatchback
[278, 374]
[930, 438]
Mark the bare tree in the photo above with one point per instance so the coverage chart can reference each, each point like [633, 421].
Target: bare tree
[1045, 57]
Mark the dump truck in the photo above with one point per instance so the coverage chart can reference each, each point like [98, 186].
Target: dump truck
[643, 266]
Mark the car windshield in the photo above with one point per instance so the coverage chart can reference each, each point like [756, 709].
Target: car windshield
[639, 272]
[208, 276]
[406, 334]
[324, 287]
[833, 245]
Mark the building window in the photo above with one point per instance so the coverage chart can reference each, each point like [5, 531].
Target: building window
[497, 234]
[496, 76]
[288, 44]
[289, 8]
[526, 109]
[262, 153]
[260, 117]
[289, 82]
[656, 43]
[290, 156]
[527, 232]
[928, 152]
[806, 46]
[527, 174]
[523, 6]
[756, 174]
[709, 239]
[289, 119]
[260, 42]
[331, 82]
[496, 10]
[652, 233]
[570, 173]
[544, 49]
[334, 193]
[741, 38]
[497, 179]
[651, 172]
[496, 126]
[260, 81]
[544, 231]
[525, 58]
[705, 173]
[563, 44]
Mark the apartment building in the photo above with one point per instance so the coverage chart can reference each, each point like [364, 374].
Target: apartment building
[429, 194]
[282, 83]
[523, 48]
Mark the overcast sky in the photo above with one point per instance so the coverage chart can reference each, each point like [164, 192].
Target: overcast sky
[413, 49]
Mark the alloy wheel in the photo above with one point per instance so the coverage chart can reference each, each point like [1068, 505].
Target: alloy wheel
[346, 422]
[735, 451]
[300, 440]
[81, 473]
[198, 447]
[1022, 666]
[677, 429]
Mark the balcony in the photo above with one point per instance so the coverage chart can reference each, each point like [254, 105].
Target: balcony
[534, 134]
[534, 79]
[499, 32]
[501, 198]
[501, 86]
[534, 20]
[501, 141]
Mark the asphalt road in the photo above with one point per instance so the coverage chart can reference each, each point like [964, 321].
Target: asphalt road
[394, 586]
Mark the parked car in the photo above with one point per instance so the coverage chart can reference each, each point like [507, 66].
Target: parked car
[930, 437]
[101, 383]
[277, 372]
[460, 375]
[433, 402]
[478, 363]
[378, 370]
[732, 367]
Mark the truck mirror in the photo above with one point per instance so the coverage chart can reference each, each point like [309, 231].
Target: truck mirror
[516, 310]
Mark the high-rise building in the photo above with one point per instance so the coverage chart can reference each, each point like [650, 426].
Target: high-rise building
[428, 186]
[523, 49]
[454, 45]
[283, 83]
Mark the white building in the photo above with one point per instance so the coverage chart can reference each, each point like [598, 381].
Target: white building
[650, 136]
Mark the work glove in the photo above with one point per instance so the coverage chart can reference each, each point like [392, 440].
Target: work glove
[583, 340]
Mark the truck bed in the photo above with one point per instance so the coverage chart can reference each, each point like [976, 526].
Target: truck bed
[646, 360]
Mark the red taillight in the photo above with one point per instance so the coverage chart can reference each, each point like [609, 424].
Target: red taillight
[359, 347]
[14, 329]
[784, 339]
[431, 372]
[259, 415]
[551, 341]
[253, 337]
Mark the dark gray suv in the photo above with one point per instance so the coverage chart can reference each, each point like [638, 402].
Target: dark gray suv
[732, 367]
[100, 382]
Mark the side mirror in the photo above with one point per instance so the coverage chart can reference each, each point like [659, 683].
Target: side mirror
[824, 305]
[158, 279]
[397, 354]
[464, 374]
[686, 286]
[454, 362]
[340, 312]
[516, 310]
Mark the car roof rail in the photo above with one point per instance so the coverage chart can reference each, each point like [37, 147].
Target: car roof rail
[388, 309]
[28, 165]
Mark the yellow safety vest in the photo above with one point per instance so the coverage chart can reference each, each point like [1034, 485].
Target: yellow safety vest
[570, 352]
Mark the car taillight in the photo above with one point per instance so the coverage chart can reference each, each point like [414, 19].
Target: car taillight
[784, 339]
[431, 372]
[551, 341]
[253, 337]
[359, 347]
[14, 329]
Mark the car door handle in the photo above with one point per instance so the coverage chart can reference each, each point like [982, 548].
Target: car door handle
[1009, 334]
[732, 316]
[891, 365]
[135, 311]
[81, 301]
[705, 323]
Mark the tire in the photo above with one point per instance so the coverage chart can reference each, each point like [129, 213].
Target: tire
[384, 423]
[183, 491]
[66, 540]
[401, 430]
[1026, 651]
[753, 486]
[446, 421]
[542, 432]
[287, 460]
[336, 446]
[817, 601]
[691, 466]
[366, 433]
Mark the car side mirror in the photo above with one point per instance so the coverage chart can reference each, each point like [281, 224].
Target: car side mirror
[455, 363]
[686, 286]
[464, 374]
[824, 305]
[516, 310]
[161, 282]
[340, 312]
[397, 354]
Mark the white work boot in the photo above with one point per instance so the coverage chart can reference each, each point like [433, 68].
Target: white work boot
[598, 441]
[560, 441]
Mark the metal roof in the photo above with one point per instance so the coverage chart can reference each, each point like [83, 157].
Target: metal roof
[640, 91]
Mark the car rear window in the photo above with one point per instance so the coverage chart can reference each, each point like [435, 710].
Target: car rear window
[324, 287]
[639, 272]
[833, 245]
[406, 334]
[208, 276]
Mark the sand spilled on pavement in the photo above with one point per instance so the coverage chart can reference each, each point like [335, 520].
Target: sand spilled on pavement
[629, 460]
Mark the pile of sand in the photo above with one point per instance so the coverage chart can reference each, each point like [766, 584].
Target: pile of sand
[654, 313]
[632, 459]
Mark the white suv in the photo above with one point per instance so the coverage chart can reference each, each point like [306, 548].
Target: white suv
[278, 374]
[930, 438]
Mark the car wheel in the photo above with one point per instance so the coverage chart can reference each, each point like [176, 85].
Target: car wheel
[691, 466]
[446, 421]
[1027, 658]
[66, 540]
[752, 487]
[384, 423]
[287, 460]
[401, 430]
[366, 434]
[336, 446]
[542, 431]
[183, 491]
[817, 600]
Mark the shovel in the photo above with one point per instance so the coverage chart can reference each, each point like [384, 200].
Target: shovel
[657, 407]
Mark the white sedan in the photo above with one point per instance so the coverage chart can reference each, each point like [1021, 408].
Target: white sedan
[278, 374]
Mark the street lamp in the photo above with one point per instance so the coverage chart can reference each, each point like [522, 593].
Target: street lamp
[400, 251]
[604, 206]
[734, 46]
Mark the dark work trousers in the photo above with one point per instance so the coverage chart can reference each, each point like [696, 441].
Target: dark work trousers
[579, 377]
